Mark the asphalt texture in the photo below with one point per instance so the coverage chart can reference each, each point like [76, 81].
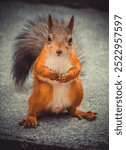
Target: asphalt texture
[56, 131]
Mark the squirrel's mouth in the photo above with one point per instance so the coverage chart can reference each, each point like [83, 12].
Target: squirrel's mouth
[59, 55]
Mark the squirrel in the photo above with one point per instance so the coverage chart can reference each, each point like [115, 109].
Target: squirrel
[48, 49]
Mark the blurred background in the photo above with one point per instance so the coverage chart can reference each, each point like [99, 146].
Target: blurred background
[102, 5]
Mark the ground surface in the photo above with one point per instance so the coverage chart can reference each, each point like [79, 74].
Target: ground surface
[62, 130]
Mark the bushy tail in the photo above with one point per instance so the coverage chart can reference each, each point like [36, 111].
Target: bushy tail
[27, 47]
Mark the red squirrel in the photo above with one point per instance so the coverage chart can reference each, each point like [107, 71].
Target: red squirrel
[48, 48]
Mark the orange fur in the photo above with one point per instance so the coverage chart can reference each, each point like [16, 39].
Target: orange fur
[43, 91]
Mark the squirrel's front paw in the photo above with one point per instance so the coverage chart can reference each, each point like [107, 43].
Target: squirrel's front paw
[48, 73]
[53, 76]
[64, 78]
[30, 122]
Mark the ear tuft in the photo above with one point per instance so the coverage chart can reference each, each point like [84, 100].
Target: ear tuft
[50, 22]
[71, 24]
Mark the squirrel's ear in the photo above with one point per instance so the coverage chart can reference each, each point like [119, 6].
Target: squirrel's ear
[50, 22]
[70, 25]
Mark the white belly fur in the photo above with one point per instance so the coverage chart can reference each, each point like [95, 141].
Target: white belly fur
[60, 100]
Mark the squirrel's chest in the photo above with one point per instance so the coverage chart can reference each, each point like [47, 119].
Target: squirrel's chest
[59, 64]
[60, 99]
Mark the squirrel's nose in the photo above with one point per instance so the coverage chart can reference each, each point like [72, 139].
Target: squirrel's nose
[59, 52]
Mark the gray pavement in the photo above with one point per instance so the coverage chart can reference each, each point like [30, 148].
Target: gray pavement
[61, 131]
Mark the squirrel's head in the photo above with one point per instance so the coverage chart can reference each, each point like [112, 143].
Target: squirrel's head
[59, 40]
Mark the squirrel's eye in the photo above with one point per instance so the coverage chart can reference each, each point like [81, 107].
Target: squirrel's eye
[49, 38]
[70, 39]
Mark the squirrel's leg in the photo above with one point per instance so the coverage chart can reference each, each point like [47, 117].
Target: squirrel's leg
[76, 96]
[31, 120]
[38, 102]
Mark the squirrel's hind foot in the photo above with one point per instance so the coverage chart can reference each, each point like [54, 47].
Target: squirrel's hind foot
[86, 115]
[29, 122]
